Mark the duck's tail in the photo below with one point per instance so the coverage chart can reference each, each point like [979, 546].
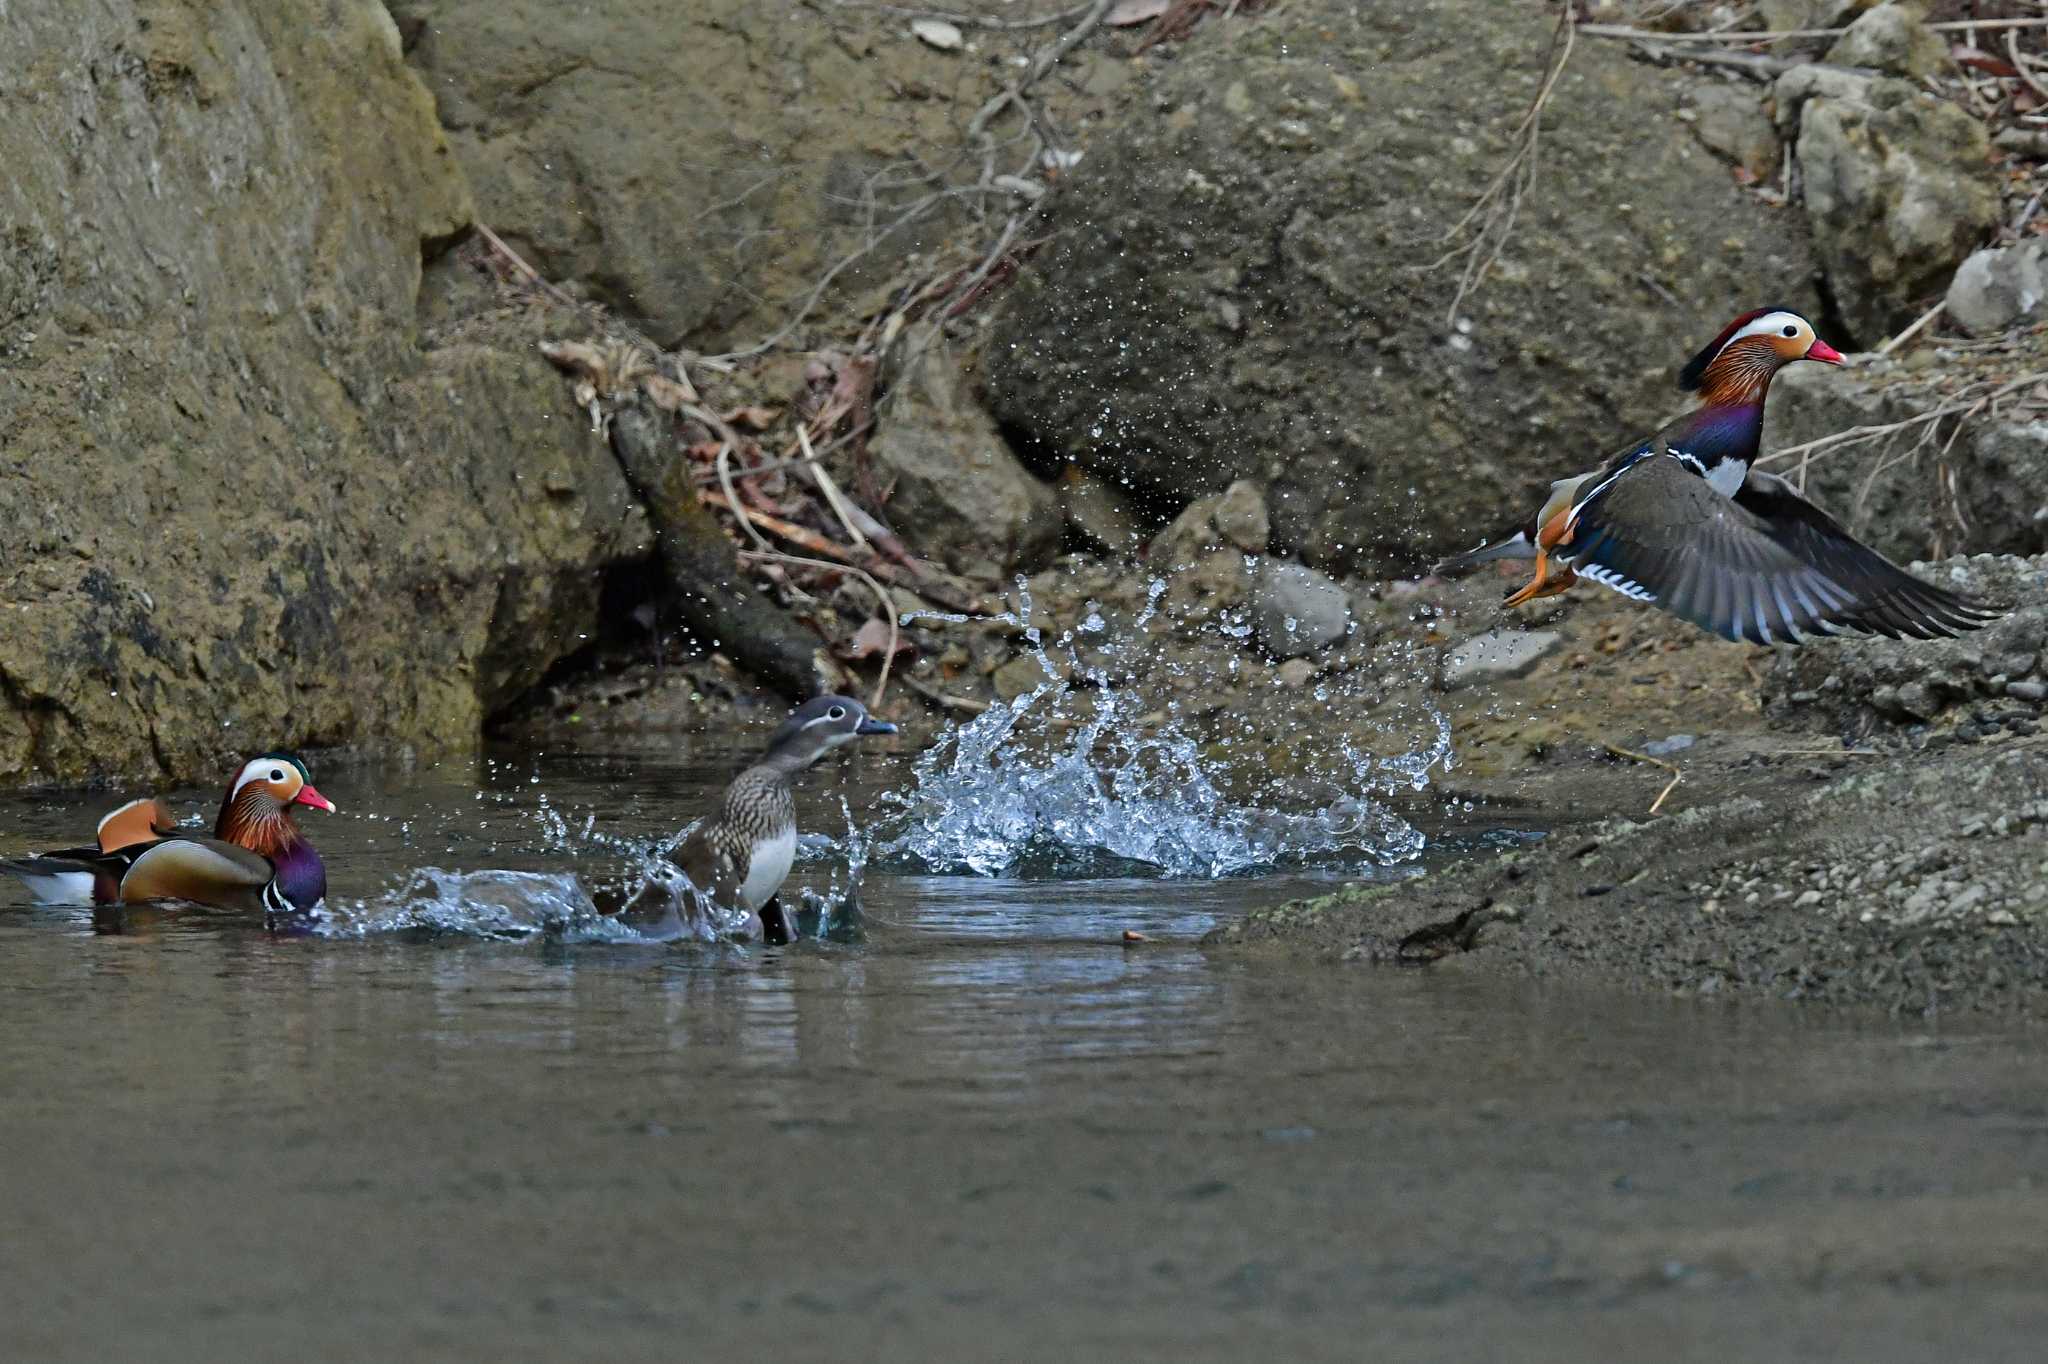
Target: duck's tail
[1516, 546]
[54, 880]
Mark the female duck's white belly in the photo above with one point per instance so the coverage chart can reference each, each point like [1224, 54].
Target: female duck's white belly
[768, 869]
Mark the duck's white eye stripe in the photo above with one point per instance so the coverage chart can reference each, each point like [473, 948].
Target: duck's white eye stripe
[1771, 324]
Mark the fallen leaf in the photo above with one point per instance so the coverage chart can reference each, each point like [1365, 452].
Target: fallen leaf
[1127, 12]
[1980, 60]
[576, 357]
[872, 640]
[668, 395]
[756, 417]
[936, 33]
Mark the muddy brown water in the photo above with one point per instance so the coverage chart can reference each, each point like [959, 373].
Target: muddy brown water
[989, 1132]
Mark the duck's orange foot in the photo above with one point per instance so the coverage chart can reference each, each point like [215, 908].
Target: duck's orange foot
[1545, 584]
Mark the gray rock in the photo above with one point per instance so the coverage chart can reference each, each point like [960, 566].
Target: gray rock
[1729, 120]
[1240, 517]
[1899, 189]
[1886, 682]
[1995, 475]
[1296, 610]
[1778, 16]
[1498, 655]
[1021, 675]
[1894, 39]
[1669, 744]
[1188, 538]
[954, 489]
[1995, 289]
[1096, 515]
[2027, 691]
[1261, 174]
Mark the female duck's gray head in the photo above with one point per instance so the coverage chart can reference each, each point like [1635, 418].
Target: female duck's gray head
[821, 725]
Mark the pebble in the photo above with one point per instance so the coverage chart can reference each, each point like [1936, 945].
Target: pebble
[1498, 654]
[1665, 747]
[1970, 898]
[2027, 691]
[937, 33]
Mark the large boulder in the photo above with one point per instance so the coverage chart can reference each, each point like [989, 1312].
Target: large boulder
[952, 486]
[1241, 282]
[1914, 492]
[1989, 683]
[248, 506]
[697, 167]
[1899, 189]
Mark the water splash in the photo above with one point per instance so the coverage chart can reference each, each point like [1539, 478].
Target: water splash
[511, 906]
[1093, 776]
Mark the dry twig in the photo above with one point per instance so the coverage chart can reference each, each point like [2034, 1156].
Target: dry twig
[881, 594]
[1672, 768]
[1488, 224]
[1971, 400]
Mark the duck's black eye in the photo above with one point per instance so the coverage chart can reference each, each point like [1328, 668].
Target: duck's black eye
[1791, 331]
[836, 713]
[276, 775]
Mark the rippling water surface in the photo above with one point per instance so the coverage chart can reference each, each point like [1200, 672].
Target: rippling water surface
[988, 1131]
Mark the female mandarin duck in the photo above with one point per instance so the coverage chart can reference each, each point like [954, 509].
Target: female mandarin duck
[741, 855]
[256, 859]
[1683, 521]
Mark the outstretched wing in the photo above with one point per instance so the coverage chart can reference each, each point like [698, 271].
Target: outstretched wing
[1892, 602]
[1660, 533]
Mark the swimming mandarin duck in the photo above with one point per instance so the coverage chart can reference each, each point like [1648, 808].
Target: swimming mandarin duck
[1682, 519]
[741, 855]
[256, 859]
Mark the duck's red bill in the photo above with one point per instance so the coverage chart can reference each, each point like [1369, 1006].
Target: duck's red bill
[1823, 352]
[308, 796]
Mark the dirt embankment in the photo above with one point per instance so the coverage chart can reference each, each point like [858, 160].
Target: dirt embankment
[1825, 840]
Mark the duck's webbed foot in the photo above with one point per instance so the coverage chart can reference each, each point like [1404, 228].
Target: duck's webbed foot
[1550, 580]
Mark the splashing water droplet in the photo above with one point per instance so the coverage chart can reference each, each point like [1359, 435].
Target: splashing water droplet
[1090, 779]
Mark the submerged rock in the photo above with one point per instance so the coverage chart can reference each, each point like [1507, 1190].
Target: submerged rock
[1239, 284]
